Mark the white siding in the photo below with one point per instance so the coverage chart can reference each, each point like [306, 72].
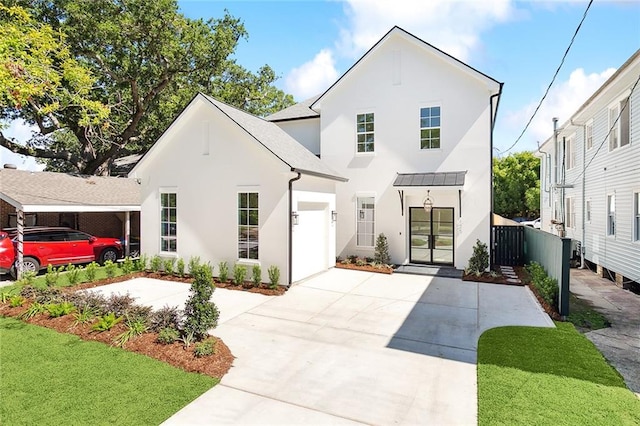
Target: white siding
[306, 131]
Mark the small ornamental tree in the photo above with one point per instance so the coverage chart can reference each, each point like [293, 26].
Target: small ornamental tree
[201, 314]
[382, 250]
[479, 261]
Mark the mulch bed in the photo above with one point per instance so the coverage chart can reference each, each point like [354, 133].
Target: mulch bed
[366, 268]
[499, 279]
[262, 289]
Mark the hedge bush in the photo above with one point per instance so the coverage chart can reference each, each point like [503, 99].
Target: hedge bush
[546, 286]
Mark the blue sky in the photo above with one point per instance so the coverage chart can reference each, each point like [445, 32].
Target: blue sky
[311, 43]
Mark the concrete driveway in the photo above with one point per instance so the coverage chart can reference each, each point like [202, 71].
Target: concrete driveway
[350, 347]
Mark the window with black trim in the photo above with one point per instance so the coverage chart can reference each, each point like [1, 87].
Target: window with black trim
[168, 222]
[248, 225]
[365, 132]
[430, 127]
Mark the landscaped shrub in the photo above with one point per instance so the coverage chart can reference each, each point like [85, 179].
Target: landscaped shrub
[382, 250]
[73, 274]
[167, 266]
[165, 317]
[274, 276]
[180, 267]
[201, 314]
[223, 274]
[93, 301]
[547, 287]
[27, 278]
[135, 327]
[127, 265]
[194, 263]
[140, 263]
[256, 275]
[16, 300]
[139, 312]
[52, 275]
[110, 269]
[205, 348]
[479, 261]
[42, 295]
[239, 274]
[84, 316]
[360, 262]
[91, 271]
[34, 309]
[56, 310]
[120, 304]
[106, 322]
[167, 336]
[156, 263]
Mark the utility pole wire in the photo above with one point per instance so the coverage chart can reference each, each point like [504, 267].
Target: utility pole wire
[613, 126]
[566, 52]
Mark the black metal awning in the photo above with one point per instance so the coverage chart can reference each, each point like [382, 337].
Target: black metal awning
[430, 179]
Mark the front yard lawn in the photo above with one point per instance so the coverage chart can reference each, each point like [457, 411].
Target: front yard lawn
[52, 378]
[545, 376]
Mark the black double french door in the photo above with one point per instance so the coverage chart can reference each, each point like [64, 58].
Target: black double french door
[431, 235]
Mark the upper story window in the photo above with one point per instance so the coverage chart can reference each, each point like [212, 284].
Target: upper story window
[365, 132]
[570, 220]
[168, 222]
[248, 225]
[570, 153]
[611, 215]
[589, 135]
[430, 127]
[619, 124]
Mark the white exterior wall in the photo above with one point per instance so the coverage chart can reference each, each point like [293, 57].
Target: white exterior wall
[395, 91]
[207, 188]
[306, 131]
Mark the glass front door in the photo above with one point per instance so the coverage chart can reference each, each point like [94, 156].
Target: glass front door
[431, 235]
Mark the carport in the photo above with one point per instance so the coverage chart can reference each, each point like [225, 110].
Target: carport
[25, 192]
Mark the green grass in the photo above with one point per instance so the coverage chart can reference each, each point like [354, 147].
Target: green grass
[584, 317]
[48, 378]
[39, 281]
[545, 376]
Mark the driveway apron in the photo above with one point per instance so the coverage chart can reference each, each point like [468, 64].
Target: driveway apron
[355, 347]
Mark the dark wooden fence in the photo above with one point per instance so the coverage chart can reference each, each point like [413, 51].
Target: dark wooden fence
[508, 245]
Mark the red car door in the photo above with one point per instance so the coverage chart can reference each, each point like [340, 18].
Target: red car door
[47, 247]
[81, 247]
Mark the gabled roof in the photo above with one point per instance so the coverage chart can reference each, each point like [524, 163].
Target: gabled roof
[49, 191]
[295, 112]
[397, 30]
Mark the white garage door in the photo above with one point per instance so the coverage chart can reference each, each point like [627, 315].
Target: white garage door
[310, 240]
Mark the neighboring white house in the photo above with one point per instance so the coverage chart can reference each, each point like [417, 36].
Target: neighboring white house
[224, 185]
[407, 124]
[590, 177]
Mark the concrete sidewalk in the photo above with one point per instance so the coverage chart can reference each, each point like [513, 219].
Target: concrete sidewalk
[352, 347]
[620, 343]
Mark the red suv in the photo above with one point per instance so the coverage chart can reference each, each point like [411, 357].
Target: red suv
[56, 246]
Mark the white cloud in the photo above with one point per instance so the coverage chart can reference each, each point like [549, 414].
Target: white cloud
[452, 26]
[563, 100]
[312, 77]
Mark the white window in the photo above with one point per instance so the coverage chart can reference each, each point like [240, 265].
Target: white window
[623, 122]
[168, 222]
[570, 212]
[636, 216]
[430, 127]
[614, 135]
[619, 124]
[570, 153]
[365, 221]
[611, 215]
[588, 211]
[248, 225]
[589, 135]
[365, 132]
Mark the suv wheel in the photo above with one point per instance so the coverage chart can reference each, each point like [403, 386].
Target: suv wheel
[108, 254]
[29, 264]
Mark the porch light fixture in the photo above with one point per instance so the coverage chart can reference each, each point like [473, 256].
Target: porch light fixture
[427, 203]
[361, 214]
[334, 216]
[295, 218]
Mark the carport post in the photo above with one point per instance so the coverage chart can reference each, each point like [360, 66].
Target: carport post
[20, 257]
[127, 232]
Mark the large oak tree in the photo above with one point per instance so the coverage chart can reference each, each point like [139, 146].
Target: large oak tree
[102, 79]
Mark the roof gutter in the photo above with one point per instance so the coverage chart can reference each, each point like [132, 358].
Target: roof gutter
[290, 221]
[318, 174]
[492, 118]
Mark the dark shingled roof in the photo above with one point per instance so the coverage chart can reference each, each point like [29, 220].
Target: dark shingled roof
[97, 193]
[297, 111]
[430, 179]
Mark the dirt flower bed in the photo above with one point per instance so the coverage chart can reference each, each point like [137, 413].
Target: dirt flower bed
[498, 278]
[250, 288]
[381, 269]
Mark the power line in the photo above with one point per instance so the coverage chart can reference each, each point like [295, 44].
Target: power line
[566, 52]
[613, 126]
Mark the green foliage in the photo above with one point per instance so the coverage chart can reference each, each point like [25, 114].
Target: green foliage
[479, 260]
[165, 317]
[52, 275]
[127, 265]
[382, 250]
[27, 278]
[167, 266]
[167, 336]
[120, 304]
[274, 276]
[223, 275]
[188, 338]
[180, 267]
[156, 264]
[194, 263]
[360, 262]
[140, 263]
[106, 322]
[547, 287]
[34, 309]
[239, 274]
[583, 316]
[135, 327]
[201, 314]
[56, 310]
[16, 300]
[5, 295]
[516, 184]
[110, 268]
[205, 348]
[91, 270]
[256, 276]
[73, 274]
[84, 316]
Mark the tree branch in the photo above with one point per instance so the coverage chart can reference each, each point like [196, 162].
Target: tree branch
[37, 152]
[45, 130]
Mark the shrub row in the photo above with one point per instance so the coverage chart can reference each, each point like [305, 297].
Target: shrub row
[547, 287]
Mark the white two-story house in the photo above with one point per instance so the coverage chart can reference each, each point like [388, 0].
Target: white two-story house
[590, 177]
[400, 144]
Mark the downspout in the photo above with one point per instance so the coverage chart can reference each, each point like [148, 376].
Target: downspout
[492, 124]
[584, 201]
[290, 261]
[547, 177]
